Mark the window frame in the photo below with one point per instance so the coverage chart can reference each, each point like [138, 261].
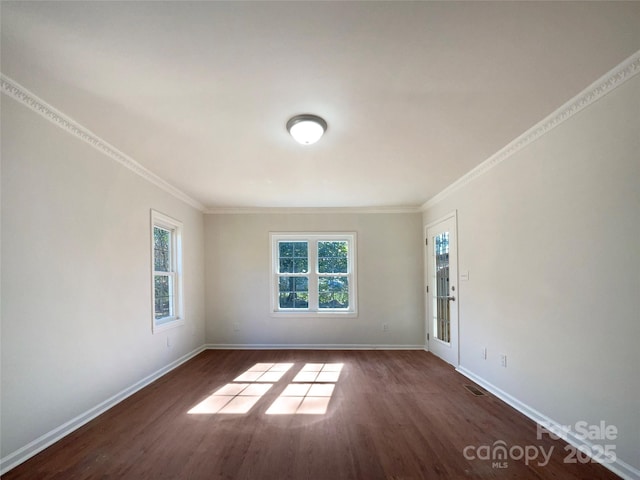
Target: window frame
[313, 275]
[175, 228]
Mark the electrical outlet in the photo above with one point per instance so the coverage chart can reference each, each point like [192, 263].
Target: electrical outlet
[168, 341]
[503, 360]
[385, 327]
[236, 327]
[483, 353]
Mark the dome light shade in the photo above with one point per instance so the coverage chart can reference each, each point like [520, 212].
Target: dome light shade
[306, 129]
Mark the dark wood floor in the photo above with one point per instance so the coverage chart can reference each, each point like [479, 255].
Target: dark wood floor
[393, 415]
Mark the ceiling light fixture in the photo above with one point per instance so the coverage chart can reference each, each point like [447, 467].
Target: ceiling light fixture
[306, 129]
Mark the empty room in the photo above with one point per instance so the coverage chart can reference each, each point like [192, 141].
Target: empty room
[320, 240]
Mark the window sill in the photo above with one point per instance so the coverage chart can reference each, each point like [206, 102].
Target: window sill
[333, 314]
[167, 324]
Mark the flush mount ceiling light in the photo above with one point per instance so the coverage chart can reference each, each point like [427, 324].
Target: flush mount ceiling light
[306, 129]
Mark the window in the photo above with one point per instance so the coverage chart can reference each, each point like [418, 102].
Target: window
[166, 261]
[314, 274]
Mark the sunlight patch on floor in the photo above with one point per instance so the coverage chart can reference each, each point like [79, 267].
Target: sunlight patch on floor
[309, 394]
[311, 397]
[240, 397]
[319, 372]
[232, 398]
[264, 372]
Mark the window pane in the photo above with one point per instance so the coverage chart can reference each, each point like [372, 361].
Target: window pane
[161, 249]
[333, 257]
[300, 265]
[294, 300]
[300, 249]
[286, 249]
[301, 300]
[293, 257]
[333, 292]
[163, 286]
[332, 265]
[442, 292]
[302, 284]
[286, 265]
[293, 292]
[294, 284]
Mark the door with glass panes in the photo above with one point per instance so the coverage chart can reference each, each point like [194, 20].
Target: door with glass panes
[442, 294]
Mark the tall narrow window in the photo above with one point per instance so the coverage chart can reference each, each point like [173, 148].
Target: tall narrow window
[166, 247]
[314, 274]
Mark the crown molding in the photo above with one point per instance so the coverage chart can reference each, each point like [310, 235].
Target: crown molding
[309, 210]
[598, 89]
[601, 87]
[16, 91]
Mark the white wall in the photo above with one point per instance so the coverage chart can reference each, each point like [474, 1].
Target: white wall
[237, 255]
[551, 241]
[76, 294]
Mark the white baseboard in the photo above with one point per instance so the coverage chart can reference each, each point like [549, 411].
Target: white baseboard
[619, 467]
[22, 454]
[308, 346]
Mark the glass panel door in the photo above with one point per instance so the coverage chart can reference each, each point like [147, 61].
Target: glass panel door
[442, 276]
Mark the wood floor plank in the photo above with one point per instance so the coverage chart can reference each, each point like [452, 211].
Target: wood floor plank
[392, 415]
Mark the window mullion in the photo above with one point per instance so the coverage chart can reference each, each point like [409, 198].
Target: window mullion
[313, 275]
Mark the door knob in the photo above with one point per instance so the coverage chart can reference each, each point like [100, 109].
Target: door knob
[450, 298]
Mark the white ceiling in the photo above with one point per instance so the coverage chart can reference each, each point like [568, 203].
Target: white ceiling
[416, 94]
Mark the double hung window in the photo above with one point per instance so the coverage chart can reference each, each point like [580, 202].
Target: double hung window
[314, 274]
[166, 246]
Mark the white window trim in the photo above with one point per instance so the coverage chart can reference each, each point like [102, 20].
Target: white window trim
[312, 238]
[164, 221]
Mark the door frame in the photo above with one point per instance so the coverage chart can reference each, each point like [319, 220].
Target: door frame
[427, 274]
